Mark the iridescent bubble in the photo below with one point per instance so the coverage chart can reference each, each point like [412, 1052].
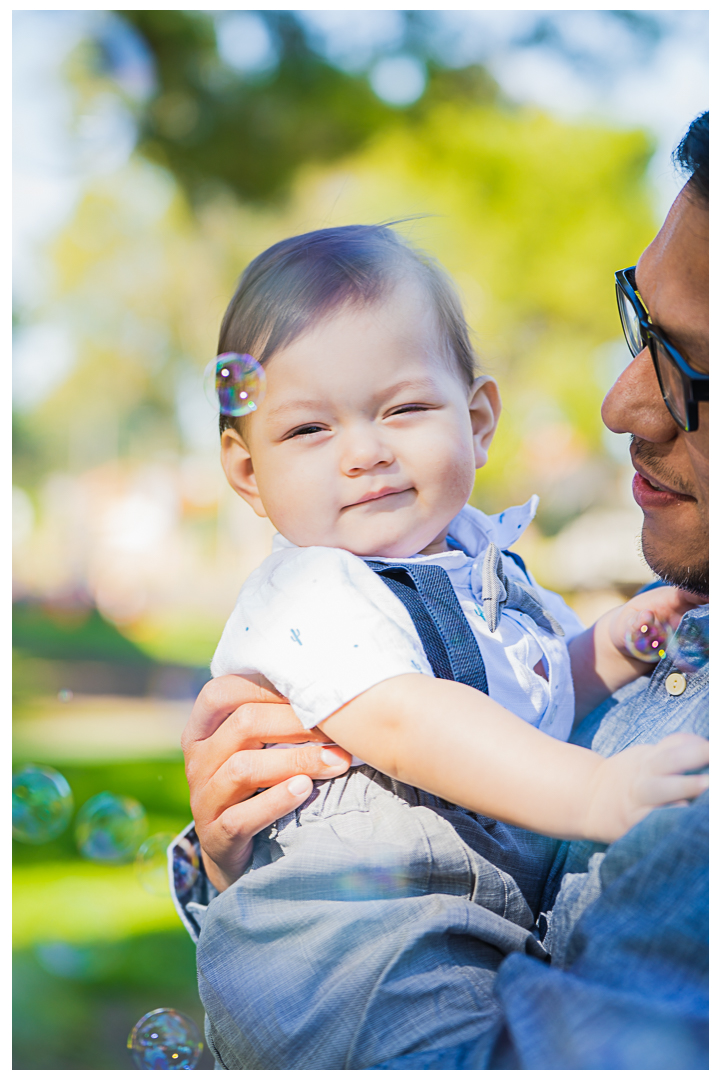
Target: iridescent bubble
[372, 871]
[186, 865]
[151, 864]
[110, 828]
[649, 641]
[234, 383]
[372, 883]
[165, 1039]
[65, 696]
[42, 804]
[689, 650]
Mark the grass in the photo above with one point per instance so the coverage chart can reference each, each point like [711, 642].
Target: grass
[78, 1014]
[93, 951]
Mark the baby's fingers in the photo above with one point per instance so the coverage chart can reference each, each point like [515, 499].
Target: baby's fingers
[680, 753]
[676, 790]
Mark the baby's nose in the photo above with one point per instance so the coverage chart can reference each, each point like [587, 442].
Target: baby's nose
[364, 449]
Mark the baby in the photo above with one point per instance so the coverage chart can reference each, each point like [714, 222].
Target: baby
[393, 615]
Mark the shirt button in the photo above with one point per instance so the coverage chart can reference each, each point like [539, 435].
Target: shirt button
[675, 683]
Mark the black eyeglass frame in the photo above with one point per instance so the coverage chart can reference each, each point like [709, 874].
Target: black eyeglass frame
[694, 383]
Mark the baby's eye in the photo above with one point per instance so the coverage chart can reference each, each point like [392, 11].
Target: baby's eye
[413, 406]
[306, 429]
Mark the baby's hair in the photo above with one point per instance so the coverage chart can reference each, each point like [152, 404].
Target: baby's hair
[294, 284]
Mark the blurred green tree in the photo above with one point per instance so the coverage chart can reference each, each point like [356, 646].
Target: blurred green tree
[212, 125]
[530, 214]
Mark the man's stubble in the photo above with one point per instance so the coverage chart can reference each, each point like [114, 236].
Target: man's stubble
[693, 575]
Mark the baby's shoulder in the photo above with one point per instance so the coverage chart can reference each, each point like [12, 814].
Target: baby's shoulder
[303, 568]
[328, 581]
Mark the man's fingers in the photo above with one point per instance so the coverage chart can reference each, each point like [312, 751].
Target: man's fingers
[243, 773]
[248, 728]
[218, 699]
[228, 845]
[239, 823]
[254, 724]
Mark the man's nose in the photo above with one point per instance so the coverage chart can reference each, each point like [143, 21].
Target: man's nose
[363, 448]
[634, 403]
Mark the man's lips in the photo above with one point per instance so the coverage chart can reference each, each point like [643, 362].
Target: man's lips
[652, 495]
[373, 496]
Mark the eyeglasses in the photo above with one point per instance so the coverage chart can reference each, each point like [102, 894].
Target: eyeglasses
[681, 386]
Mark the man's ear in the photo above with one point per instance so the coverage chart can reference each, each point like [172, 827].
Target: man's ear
[485, 408]
[238, 467]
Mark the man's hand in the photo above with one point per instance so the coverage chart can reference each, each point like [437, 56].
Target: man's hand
[226, 763]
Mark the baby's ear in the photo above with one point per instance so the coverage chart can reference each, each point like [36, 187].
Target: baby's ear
[238, 467]
[485, 408]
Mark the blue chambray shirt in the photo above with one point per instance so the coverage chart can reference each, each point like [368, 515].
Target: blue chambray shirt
[642, 712]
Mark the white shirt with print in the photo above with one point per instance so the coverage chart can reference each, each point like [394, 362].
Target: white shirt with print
[322, 627]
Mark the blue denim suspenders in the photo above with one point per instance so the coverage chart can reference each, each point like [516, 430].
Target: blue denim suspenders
[453, 653]
[448, 641]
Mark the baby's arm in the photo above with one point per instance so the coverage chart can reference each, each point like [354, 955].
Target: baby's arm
[455, 742]
[600, 661]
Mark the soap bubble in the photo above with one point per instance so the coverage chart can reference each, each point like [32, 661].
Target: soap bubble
[42, 804]
[371, 871]
[186, 865]
[110, 828]
[689, 650]
[649, 641]
[65, 696]
[151, 864]
[165, 1039]
[372, 883]
[234, 383]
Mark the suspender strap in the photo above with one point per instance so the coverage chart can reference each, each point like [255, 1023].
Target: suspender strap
[518, 560]
[448, 641]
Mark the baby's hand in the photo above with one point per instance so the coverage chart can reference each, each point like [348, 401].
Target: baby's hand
[640, 627]
[637, 780]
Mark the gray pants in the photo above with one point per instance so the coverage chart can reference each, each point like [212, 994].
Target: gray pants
[371, 923]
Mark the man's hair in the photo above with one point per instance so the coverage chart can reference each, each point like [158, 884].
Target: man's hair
[692, 156]
[296, 283]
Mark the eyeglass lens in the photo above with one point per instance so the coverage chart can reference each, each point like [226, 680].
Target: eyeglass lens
[671, 383]
[631, 323]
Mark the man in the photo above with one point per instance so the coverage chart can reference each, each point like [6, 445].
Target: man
[626, 927]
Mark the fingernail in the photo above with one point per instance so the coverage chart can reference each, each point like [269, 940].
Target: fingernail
[331, 758]
[300, 785]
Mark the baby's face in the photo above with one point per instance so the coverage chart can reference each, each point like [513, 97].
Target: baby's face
[367, 438]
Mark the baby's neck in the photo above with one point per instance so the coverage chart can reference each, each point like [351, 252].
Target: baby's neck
[438, 545]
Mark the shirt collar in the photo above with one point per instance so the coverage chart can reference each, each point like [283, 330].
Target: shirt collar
[474, 530]
[471, 529]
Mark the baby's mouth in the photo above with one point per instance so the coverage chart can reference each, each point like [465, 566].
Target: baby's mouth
[373, 496]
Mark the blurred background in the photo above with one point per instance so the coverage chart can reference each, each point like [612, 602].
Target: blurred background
[156, 153]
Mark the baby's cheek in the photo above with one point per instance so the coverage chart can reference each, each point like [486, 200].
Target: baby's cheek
[296, 513]
[456, 480]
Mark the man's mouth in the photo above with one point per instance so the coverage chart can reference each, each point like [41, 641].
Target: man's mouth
[651, 494]
[655, 484]
[373, 496]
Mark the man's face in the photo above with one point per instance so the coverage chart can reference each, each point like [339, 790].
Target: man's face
[671, 479]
